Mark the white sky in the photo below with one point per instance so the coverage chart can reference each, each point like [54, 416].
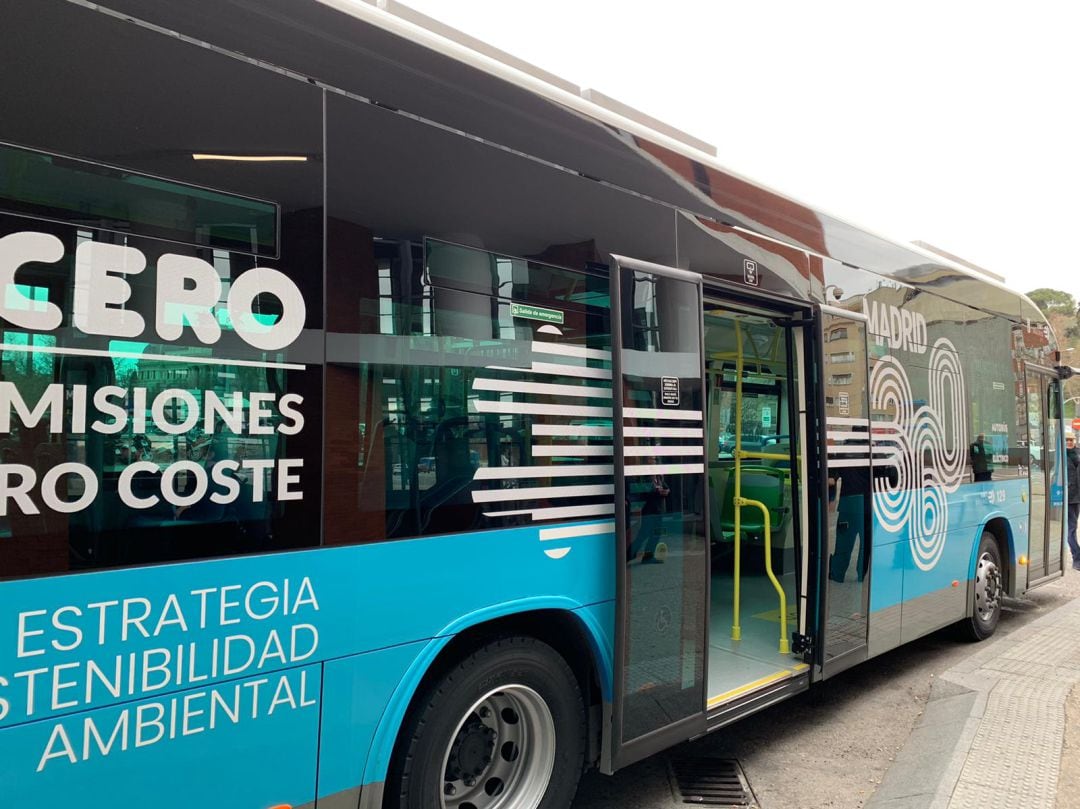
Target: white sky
[953, 122]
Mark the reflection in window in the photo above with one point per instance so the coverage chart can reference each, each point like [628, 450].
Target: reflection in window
[172, 450]
[489, 405]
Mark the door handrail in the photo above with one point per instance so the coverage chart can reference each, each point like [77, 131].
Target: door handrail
[785, 647]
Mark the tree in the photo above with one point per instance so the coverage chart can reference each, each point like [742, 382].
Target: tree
[1053, 301]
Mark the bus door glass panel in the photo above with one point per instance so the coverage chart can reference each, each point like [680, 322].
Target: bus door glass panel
[1055, 467]
[1036, 478]
[663, 565]
[849, 473]
[1045, 475]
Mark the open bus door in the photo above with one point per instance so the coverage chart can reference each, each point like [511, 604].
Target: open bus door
[661, 514]
[1046, 475]
[847, 489]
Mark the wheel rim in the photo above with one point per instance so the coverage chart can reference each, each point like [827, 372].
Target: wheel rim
[987, 588]
[502, 753]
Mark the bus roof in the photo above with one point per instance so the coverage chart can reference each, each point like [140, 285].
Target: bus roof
[404, 60]
[406, 21]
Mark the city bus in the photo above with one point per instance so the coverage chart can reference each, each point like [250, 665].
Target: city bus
[388, 423]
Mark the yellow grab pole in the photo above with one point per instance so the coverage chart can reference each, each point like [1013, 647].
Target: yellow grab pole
[739, 503]
[736, 629]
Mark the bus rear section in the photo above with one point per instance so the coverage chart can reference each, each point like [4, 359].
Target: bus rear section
[187, 417]
[161, 405]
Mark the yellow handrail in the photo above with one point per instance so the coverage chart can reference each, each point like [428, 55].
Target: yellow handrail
[765, 456]
[739, 503]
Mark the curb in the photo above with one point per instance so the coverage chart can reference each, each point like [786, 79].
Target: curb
[1020, 684]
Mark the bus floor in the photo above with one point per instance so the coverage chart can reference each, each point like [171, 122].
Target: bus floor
[737, 667]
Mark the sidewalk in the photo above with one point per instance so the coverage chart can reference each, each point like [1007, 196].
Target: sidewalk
[993, 731]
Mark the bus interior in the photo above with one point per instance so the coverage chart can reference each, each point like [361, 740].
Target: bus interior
[753, 459]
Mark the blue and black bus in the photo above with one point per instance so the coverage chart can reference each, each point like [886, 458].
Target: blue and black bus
[386, 423]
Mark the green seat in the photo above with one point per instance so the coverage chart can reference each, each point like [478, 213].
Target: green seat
[765, 484]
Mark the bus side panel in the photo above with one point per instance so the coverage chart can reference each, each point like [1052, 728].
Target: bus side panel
[73, 643]
[367, 697]
[204, 746]
[356, 693]
[937, 594]
[173, 625]
[1021, 546]
[907, 601]
[887, 563]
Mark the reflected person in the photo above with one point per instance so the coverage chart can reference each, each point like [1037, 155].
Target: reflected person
[980, 462]
[652, 519]
[853, 482]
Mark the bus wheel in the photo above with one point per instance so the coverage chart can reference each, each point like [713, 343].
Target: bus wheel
[504, 729]
[988, 590]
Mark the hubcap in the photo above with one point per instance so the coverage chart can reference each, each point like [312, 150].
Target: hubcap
[502, 754]
[987, 588]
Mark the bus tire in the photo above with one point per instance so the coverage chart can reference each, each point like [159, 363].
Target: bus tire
[501, 728]
[987, 592]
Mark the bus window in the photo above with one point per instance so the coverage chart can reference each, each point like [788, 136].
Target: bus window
[146, 412]
[461, 385]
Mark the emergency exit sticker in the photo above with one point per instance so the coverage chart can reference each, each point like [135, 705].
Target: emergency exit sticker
[536, 313]
[669, 391]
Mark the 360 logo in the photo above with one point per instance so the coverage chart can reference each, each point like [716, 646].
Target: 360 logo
[929, 444]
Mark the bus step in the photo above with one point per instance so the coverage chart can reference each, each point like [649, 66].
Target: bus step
[704, 781]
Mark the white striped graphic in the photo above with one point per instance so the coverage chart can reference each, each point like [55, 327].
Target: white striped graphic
[557, 512]
[848, 449]
[570, 450]
[554, 369]
[656, 413]
[659, 450]
[571, 370]
[567, 471]
[483, 406]
[881, 451]
[541, 388]
[571, 531]
[836, 435]
[641, 470]
[589, 430]
[848, 422]
[663, 432]
[540, 492]
[135, 355]
[563, 350]
[567, 361]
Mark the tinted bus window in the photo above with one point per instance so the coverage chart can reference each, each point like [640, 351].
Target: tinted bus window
[458, 392]
[118, 447]
[88, 194]
[161, 315]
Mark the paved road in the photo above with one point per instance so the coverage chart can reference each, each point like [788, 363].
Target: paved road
[828, 748]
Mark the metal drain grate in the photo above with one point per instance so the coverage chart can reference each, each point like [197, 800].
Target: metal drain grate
[711, 782]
